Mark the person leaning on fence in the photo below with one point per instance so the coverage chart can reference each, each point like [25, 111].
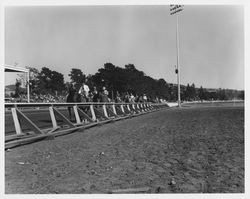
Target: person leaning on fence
[104, 95]
[118, 97]
[90, 96]
[136, 98]
[127, 97]
[96, 97]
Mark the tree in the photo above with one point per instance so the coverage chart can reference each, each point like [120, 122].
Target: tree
[241, 95]
[17, 89]
[90, 81]
[201, 94]
[77, 77]
[187, 93]
[45, 80]
[109, 67]
[33, 80]
[131, 80]
[192, 92]
[222, 94]
[57, 82]
[50, 81]
[162, 89]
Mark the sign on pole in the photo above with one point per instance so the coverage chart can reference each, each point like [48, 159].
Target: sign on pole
[175, 8]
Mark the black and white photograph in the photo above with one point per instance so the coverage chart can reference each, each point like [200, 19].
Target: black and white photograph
[124, 99]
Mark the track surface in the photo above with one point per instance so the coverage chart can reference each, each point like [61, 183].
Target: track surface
[185, 150]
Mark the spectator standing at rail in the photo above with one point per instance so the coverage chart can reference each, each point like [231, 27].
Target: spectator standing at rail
[136, 98]
[84, 92]
[96, 97]
[104, 95]
[71, 93]
[140, 99]
[118, 97]
[90, 96]
[70, 97]
[126, 98]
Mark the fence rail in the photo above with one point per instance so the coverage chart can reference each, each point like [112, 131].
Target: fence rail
[85, 115]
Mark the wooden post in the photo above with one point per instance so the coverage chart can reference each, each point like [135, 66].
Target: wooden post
[53, 118]
[16, 121]
[133, 106]
[105, 110]
[128, 108]
[78, 120]
[141, 107]
[114, 110]
[138, 107]
[122, 108]
[92, 112]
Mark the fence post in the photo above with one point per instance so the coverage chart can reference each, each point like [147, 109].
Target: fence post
[138, 108]
[128, 108]
[133, 106]
[78, 120]
[105, 110]
[16, 121]
[92, 112]
[141, 107]
[113, 106]
[53, 118]
[122, 108]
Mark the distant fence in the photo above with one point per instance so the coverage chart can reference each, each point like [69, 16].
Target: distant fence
[215, 103]
[85, 116]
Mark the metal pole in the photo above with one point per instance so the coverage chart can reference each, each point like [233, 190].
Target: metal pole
[178, 67]
[28, 86]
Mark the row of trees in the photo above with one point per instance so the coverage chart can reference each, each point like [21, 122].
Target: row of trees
[127, 79]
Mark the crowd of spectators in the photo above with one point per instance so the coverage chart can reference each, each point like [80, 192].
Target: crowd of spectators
[47, 98]
[35, 98]
[85, 94]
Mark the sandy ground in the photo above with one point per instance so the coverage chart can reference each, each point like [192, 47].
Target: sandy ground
[187, 150]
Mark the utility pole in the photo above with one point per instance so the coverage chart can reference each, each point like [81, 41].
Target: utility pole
[173, 10]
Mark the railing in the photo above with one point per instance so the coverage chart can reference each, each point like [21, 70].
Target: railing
[85, 115]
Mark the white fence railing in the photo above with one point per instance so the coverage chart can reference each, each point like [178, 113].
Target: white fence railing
[66, 117]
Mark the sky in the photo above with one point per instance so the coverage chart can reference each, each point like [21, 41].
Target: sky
[211, 47]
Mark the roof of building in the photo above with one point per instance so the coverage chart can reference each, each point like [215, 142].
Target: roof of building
[9, 68]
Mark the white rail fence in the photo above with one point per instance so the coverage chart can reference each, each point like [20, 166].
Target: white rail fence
[85, 115]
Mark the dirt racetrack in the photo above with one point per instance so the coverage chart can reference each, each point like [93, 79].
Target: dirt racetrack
[187, 150]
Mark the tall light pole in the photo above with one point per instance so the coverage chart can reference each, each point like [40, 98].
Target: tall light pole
[28, 86]
[173, 10]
